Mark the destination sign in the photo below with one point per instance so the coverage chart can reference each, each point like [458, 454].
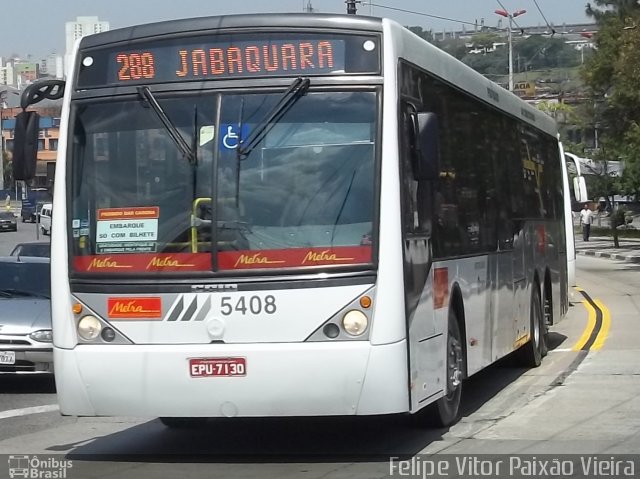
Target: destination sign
[225, 57]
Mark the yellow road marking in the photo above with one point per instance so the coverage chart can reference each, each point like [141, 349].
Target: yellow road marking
[598, 324]
[606, 325]
[588, 330]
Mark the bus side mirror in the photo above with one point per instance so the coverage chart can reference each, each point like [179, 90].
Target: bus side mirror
[580, 189]
[25, 145]
[428, 151]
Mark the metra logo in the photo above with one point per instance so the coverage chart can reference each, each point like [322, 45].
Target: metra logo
[326, 255]
[105, 263]
[135, 307]
[254, 259]
[167, 262]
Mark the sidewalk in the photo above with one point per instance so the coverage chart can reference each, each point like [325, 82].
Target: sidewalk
[602, 247]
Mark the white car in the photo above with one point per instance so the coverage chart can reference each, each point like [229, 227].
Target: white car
[45, 218]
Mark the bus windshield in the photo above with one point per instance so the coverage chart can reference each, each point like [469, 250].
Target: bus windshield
[301, 196]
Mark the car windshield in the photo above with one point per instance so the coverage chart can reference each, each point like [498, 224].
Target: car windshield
[302, 195]
[7, 216]
[24, 279]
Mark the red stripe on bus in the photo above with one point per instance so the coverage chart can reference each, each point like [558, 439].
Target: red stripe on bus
[440, 287]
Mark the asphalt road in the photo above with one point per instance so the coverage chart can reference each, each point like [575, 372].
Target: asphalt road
[26, 232]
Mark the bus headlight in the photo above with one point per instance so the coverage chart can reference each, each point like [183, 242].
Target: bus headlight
[89, 328]
[355, 322]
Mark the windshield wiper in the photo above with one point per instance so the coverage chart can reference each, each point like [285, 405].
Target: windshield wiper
[175, 135]
[11, 293]
[297, 89]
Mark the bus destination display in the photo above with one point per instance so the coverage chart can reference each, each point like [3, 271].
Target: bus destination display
[223, 57]
[244, 59]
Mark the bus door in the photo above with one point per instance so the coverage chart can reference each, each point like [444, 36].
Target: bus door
[503, 317]
[508, 248]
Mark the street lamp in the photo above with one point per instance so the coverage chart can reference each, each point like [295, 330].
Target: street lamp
[510, 16]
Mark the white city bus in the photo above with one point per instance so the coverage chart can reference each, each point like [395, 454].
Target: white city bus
[294, 215]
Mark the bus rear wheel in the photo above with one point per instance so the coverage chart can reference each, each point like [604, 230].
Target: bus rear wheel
[532, 352]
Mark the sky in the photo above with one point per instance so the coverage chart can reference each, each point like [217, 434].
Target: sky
[37, 27]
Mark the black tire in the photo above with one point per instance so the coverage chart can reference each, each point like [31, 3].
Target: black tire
[531, 352]
[446, 410]
[182, 422]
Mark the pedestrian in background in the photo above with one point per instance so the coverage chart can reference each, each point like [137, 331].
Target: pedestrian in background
[586, 218]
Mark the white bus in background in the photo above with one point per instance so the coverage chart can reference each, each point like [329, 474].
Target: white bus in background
[576, 193]
[294, 215]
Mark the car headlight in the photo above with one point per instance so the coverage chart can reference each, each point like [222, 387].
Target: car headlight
[42, 336]
[355, 322]
[89, 328]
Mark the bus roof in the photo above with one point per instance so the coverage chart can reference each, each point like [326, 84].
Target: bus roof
[288, 21]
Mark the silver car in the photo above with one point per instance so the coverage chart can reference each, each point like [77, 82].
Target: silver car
[8, 221]
[25, 315]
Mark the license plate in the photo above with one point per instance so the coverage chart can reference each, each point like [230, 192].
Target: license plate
[211, 367]
[7, 357]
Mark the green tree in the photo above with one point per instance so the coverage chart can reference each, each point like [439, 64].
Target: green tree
[493, 63]
[613, 78]
[612, 72]
[455, 47]
[426, 34]
[538, 52]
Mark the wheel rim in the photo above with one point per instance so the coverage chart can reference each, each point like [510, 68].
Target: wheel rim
[454, 364]
[536, 322]
[547, 314]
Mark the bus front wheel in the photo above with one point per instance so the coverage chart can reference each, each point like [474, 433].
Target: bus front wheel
[446, 410]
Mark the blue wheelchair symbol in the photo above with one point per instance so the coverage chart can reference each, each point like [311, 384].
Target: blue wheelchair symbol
[229, 137]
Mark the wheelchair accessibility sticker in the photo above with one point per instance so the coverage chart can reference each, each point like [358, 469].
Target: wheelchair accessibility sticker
[230, 135]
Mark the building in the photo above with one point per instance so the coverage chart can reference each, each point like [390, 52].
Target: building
[82, 27]
[25, 73]
[6, 73]
[52, 66]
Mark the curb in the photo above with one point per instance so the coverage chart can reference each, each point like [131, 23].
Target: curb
[617, 256]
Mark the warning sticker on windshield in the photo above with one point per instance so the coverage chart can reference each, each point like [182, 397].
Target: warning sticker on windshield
[127, 230]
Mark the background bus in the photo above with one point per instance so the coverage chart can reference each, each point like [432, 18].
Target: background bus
[33, 202]
[262, 220]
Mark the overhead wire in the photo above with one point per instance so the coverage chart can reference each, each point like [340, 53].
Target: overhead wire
[553, 31]
[437, 17]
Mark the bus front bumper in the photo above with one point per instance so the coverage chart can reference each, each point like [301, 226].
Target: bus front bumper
[286, 379]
